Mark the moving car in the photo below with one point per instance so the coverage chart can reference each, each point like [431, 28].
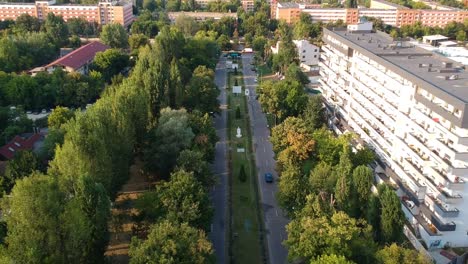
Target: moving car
[268, 177]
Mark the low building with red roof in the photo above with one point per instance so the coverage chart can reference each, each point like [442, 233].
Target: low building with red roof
[75, 61]
[28, 142]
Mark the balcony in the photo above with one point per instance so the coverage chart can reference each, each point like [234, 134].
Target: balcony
[443, 209]
[439, 224]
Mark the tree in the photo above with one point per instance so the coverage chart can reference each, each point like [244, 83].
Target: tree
[259, 45]
[114, 35]
[181, 199]
[167, 140]
[362, 182]
[224, 42]
[34, 208]
[22, 165]
[293, 138]
[171, 242]
[322, 178]
[309, 238]
[56, 29]
[331, 259]
[150, 5]
[194, 161]
[187, 25]
[25, 23]
[284, 98]
[329, 147]
[314, 112]
[364, 156]
[242, 175]
[238, 112]
[201, 93]
[394, 254]
[461, 35]
[343, 189]
[110, 62]
[392, 218]
[292, 189]
[294, 73]
[59, 116]
[136, 41]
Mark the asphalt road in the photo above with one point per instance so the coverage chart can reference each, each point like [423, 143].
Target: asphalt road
[275, 220]
[220, 168]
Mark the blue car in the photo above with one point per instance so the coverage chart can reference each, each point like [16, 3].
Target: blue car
[268, 177]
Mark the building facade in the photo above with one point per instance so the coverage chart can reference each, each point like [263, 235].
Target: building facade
[248, 5]
[307, 53]
[103, 13]
[411, 107]
[393, 16]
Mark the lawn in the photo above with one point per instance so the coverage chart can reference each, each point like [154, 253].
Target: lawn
[245, 246]
[264, 70]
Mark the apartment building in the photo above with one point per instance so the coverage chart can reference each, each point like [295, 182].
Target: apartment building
[390, 14]
[248, 5]
[307, 53]
[105, 12]
[411, 107]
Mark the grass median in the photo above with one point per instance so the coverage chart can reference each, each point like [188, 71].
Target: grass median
[246, 246]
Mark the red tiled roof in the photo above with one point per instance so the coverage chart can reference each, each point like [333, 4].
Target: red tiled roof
[80, 56]
[18, 143]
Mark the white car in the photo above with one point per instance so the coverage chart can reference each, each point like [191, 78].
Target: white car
[255, 80]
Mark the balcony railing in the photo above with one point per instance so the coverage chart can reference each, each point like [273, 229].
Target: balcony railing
[439, 224]
[444, 209]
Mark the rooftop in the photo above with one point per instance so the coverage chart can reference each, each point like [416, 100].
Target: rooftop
[18, 143]
[80, 56]
[407, 59]
[288, 5]
[391, 4]
[435, 37]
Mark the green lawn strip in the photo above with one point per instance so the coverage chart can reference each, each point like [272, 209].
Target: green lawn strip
[264, 70]
[245, 240]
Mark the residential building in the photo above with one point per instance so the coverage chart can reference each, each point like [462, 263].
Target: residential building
[75, 61]
[411, 107]
[105, 12]
[248, 5]
[434, 40]
[26, 141]
[200, 16]
[393, 15]
[307, 53]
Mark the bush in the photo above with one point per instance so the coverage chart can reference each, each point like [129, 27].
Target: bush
[242, 174]
[238, 113]
[236, 83]
[235, 70]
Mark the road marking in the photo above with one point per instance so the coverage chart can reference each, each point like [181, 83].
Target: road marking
[276, 210]
[264, 149]
[212, 225]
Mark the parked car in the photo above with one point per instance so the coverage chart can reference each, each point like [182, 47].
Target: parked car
[253, 69]
[268, 177]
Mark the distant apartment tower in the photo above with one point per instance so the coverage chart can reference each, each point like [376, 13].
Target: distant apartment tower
[411, 107]
[390, 14]
[248, 5]
[105, 12]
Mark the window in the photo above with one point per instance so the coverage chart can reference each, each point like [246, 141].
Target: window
[303, 51]
[303, 57]
[315, 50]
[315, 56]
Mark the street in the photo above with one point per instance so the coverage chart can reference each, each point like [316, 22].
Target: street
[275, 220]
[220, 169]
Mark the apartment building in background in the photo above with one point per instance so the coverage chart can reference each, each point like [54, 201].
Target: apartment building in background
[105, 12]
[248, 5]
[391, 14]
[308, 53]
[411, 107]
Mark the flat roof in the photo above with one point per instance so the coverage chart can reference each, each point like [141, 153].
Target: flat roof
[405, 59]
[288, 5]
[435, 37]
[391, 4]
